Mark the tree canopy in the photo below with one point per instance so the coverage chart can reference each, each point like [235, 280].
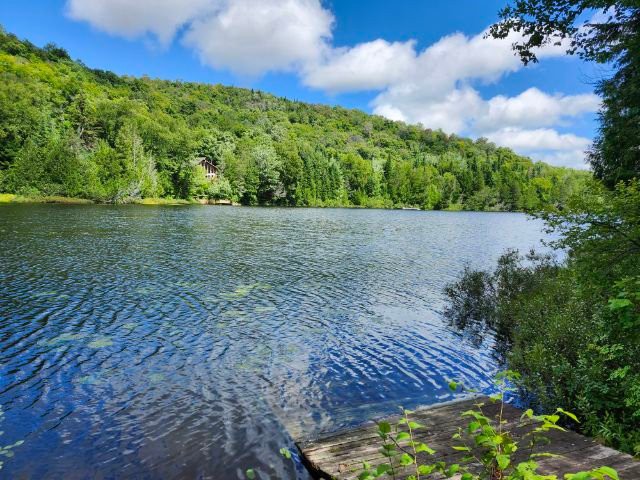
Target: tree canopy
[69, 130]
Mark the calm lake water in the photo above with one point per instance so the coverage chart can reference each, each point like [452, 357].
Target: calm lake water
[194, 342]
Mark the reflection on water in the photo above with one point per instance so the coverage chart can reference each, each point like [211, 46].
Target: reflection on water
[193, 342]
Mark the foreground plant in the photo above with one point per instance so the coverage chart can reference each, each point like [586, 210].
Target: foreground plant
[491, 450]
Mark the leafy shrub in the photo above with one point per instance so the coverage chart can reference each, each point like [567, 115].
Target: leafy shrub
[571, 330]
[488, 445]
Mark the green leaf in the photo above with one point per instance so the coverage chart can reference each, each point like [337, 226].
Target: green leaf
[415, 425]
[461, 448]
[406, 459]
[528, 413]
[578, 476]
[250, 474]
[568, 414]
[382, 469]
[423, 447]
[426, 469]
[402, 436]
[453, 386]
[453, 469]
[473, 426]
[618, 303]
[388, 451]
[503, 461]
[384, 427]
[285, 453]
[609, 472]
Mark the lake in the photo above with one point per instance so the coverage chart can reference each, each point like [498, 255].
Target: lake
[194, 342]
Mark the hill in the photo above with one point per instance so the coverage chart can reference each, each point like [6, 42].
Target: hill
[69, 130]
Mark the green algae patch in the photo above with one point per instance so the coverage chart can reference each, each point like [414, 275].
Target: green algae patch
[65, 338]
[156, 377]
[88, 380]
[243, 291]
[101, 342]
[264, 309]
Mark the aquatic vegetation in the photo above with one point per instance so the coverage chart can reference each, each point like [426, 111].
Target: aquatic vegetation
[7, 450]
[88, 380]
[240, 292]
[243, 291]
[264, 309]
[156, 377]
[101, 342]
[234, 313]
[49, 293]
[66, 337]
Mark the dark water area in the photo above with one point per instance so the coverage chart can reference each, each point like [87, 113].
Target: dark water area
[194, 342]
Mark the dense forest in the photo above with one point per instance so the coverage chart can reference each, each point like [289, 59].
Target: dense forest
[72, 131]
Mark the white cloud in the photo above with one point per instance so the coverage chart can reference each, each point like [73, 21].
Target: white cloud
[573, 159]
[534, 108]
[367, 66]
[538, 139]
[445, 71]
[544, 144]
[255, 36]
[134, 18]
[245, 36]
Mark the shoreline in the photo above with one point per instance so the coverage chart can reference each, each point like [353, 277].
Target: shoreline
[11, 198]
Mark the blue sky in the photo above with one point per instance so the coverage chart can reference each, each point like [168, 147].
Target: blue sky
[413, 60]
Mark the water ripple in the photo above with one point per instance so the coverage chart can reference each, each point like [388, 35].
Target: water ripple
[195, 342]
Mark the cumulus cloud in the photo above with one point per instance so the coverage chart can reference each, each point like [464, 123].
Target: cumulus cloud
[446, 70]
[245, 36]
[367, 66]
[544, 144]
[134, 18]
[255, 36]
[534, 108]
[436, 86]
[538, 139]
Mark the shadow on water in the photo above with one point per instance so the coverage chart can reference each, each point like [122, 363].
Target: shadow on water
[194, 342]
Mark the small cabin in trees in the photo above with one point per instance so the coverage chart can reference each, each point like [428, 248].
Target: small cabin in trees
[209, 167]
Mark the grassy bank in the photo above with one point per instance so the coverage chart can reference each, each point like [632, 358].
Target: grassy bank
[13, 198]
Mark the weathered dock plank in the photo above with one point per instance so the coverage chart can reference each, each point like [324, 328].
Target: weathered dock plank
[340, 455]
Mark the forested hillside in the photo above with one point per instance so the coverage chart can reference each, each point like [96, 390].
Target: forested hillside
[68, 130]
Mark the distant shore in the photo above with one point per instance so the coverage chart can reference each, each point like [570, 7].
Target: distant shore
[11, 198]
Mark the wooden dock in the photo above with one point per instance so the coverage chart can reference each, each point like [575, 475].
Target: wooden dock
[340, 455]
